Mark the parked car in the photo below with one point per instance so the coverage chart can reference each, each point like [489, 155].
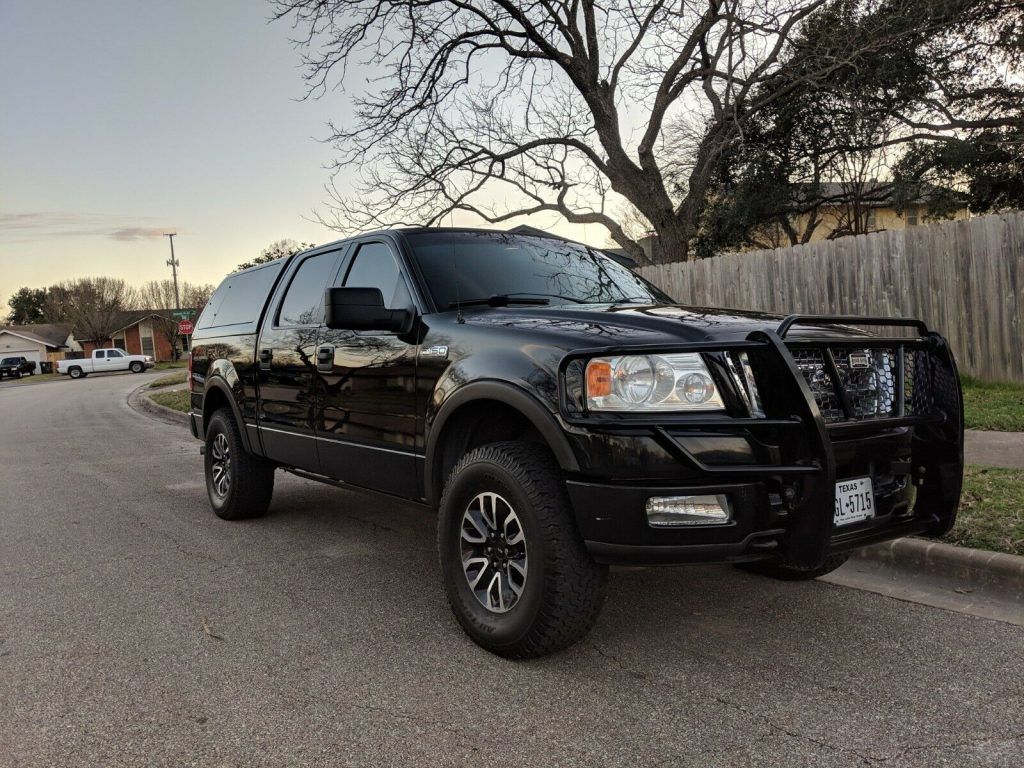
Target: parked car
[561, 414]
[105, 360]
[16, 367]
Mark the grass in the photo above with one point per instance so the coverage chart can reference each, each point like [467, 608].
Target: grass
[173, 378]
[38, 378]
[993, 406]
[179, 399]
[991, 510]
[169, 366]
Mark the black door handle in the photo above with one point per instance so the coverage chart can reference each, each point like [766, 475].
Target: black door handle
[325, 359]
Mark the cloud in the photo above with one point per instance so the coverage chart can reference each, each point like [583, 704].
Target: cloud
[45, 225]
[130, 234]
[38, 220]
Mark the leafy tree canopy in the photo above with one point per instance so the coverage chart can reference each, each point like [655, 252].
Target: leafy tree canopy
[26, 306]
[276, 250]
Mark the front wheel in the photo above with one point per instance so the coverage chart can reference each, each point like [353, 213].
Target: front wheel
[516, 572]
[136, 367]
[239, 484]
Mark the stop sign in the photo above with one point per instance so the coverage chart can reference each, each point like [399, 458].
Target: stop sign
[185, 327]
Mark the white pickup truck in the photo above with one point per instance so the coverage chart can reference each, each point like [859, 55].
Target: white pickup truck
[104, 361]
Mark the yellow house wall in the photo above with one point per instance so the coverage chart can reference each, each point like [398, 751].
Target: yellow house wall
[831, 219]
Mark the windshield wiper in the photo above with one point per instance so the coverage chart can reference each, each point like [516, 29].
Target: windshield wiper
[500, 300]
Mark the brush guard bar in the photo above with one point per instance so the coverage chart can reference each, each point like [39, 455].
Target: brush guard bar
[794, 420]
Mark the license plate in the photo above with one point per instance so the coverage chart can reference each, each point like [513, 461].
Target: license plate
[855, 501]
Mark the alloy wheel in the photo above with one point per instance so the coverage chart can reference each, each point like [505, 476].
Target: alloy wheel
[220, 464]
[494, 553]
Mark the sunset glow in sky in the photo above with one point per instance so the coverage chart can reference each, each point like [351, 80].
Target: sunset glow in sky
[121, 121]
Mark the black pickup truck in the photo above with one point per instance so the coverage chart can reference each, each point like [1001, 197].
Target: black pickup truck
[562, 414]
[16, 367]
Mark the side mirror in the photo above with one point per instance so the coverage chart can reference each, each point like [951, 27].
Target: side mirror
[362, 309]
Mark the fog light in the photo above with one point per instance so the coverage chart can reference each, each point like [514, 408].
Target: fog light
[669, 511]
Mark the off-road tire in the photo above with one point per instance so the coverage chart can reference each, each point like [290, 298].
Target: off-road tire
[564, 587]
[136, 367]
[251, 478]
[787, 573]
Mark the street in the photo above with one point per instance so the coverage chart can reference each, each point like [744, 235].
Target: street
[136, 628]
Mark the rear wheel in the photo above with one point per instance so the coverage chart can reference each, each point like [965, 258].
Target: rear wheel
[75, 372]
[136, 367]
[516, 572]
[239, 484]
[788, 573]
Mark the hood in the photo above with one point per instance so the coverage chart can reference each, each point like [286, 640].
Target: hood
[655, 324]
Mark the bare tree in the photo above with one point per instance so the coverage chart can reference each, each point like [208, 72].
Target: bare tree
[160, 295]
[504, 109]
[94, 306]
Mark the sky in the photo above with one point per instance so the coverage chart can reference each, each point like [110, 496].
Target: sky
[121, 121]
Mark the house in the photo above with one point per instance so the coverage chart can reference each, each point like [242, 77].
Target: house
[44, 342]
[837, 209]
[145, 332]
[830, 210]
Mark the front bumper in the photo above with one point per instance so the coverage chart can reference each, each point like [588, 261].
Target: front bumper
[778, 471]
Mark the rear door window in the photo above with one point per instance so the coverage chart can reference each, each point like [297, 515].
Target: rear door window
[240, 298]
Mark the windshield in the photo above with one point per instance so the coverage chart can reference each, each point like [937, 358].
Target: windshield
[9, 360]
[468, 266]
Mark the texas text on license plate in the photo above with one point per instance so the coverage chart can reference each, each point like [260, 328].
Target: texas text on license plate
[855, 500]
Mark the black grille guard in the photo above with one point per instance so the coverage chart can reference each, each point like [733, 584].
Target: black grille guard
[804, 435]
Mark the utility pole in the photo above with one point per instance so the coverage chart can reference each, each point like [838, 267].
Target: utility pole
[173, 264]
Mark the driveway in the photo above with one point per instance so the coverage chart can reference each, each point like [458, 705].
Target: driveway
[138, 629]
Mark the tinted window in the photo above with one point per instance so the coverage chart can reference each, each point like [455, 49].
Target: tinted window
[240, 297]
[478, 265]
[113, 353]
[101, 353]
[303, 304]
[375, 267]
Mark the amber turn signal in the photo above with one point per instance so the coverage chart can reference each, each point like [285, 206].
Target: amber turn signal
[599, 378]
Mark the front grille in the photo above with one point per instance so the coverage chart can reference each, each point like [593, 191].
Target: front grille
[862, 383]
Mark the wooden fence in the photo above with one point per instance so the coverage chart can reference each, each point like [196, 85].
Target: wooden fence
[963, 278]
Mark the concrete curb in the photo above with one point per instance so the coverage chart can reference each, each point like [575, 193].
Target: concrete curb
[973, 567]
[140, 402]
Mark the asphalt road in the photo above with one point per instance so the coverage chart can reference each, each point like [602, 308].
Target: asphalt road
[138, 629]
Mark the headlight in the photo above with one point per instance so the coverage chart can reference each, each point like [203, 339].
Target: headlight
[678, 382]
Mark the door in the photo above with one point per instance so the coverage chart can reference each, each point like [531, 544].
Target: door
[286, 362]
[366, 429]
[116, 361]
[100, 364]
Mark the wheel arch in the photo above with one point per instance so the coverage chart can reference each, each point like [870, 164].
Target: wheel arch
[216, 395]
[453, 430]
